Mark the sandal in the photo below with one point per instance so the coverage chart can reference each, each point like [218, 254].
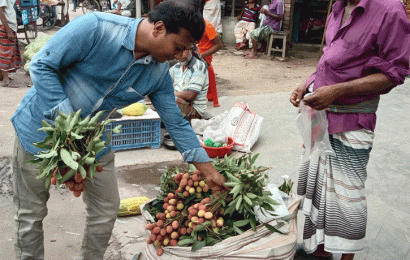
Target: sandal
[302, 255]
[251, 56]
[168, 143]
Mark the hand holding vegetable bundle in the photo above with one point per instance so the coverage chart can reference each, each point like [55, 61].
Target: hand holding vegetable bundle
[71, 146]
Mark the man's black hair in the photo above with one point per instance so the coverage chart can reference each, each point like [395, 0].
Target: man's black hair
[177, 14]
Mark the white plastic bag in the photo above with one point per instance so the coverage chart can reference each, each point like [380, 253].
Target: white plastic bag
[312, 125]
[199, 125]
[243, 126]
[215, 135]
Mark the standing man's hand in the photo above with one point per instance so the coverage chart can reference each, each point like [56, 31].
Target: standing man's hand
[322, 97]
[297, 95]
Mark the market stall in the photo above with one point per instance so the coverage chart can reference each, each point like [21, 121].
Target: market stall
[27, 15]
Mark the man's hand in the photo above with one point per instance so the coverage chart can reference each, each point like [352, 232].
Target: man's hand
[213, 178]
[263, 10]
[321, 98]
[297, 95]
[215, 181]
[10, 34]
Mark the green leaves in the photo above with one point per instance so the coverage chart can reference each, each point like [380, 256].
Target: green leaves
[233, 210]
[71, 142]
[241, 223]
[67, 159]
[272, 228]
[198, 245]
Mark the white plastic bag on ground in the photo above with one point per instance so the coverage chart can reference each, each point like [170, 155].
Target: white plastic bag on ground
[262, 244]
[199, 125]
[215, 135]
[239, 123]
[243, 126]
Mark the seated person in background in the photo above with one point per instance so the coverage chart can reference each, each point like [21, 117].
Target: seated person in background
[190, 78]
[247, 22]
[122, 8]
[272, 23]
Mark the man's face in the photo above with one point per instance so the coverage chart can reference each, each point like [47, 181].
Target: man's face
[169, 46]
[183, 56]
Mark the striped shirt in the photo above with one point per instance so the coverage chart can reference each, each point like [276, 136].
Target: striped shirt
[195, 79]
[251, 14]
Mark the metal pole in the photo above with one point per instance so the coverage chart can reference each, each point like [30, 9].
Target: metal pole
[233, 8]
[152, 5]
[138, 8]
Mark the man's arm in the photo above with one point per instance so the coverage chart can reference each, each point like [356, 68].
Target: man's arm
[216, 47]
[276, 16]
[326, 95]
[241, 14]
[188, 96]
[183, 135]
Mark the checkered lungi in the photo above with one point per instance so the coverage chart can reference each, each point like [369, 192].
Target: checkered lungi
[261, 33]
[10, 56]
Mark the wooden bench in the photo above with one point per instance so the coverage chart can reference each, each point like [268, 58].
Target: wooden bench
[277, 35]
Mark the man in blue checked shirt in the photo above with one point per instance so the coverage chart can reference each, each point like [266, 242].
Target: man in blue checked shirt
[99, 62]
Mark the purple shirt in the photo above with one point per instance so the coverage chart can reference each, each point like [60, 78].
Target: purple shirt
[376, 38]
[275, 7]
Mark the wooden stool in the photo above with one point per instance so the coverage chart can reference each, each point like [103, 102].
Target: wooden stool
[212, 91]
[278, 35]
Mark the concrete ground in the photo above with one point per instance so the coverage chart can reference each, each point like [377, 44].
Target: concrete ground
[388, 183]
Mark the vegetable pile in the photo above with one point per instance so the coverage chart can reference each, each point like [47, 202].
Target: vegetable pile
[33, 48]
[188, 214]
[71, 146]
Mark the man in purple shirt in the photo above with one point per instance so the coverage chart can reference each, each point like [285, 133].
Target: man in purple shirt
[272, 23]
[366, 54]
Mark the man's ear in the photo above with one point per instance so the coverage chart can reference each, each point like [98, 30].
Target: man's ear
[159, 29]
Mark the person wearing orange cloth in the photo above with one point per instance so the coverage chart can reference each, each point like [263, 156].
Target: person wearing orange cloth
[208, 45]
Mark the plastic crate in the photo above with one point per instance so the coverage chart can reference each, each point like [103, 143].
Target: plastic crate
[26, 3]
[136, 134]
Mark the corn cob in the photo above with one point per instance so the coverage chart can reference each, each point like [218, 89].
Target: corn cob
[131, 206]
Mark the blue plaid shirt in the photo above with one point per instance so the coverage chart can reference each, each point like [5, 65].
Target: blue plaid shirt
[89, 64]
